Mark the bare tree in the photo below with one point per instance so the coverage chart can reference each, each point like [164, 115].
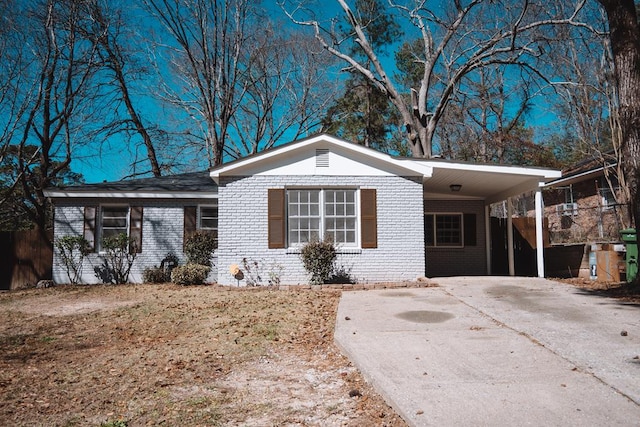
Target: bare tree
[589, 127]
[624, 33]
[105, 30]
[288, 88]
[59, 67]
[455, 38]
[210, 41]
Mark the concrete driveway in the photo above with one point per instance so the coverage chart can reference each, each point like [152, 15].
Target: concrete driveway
[496, 351]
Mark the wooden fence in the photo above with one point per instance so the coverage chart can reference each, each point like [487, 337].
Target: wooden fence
[25, 258]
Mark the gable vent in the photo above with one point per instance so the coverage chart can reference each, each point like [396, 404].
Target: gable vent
[322, 158]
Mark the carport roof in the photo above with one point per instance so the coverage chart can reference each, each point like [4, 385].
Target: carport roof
[491, 183]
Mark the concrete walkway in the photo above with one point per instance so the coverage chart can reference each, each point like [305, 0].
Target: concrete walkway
[489, 351]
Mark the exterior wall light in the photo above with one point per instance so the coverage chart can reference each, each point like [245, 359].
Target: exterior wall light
[455, 187]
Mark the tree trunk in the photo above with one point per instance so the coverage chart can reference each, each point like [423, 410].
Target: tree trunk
[625, 43]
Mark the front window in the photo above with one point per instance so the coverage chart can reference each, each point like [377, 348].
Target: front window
[315, 214]
[114, 221]
[208, 218]
[443, 230]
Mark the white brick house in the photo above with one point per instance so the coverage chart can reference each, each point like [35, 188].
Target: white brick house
[392, 218]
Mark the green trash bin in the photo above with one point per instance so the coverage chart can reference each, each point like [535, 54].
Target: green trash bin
[631, 257]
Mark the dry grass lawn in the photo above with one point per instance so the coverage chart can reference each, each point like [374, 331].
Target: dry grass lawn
[167, 355]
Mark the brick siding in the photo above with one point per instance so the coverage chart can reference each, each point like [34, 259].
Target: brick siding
[243, 228]
[162, 232]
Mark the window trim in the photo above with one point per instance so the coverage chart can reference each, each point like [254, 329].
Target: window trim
[356, 245]
[435, 242]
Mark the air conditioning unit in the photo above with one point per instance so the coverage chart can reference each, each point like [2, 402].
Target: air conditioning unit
[567, 209]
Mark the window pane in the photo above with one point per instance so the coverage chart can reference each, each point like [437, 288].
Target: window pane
[208, 218]
[340, 218]
[443, 230]
[303, 215]
[114, 218]
[114, 221]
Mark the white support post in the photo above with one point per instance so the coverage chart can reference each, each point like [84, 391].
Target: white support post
[510, 253]
[487, 236]
[539, 232]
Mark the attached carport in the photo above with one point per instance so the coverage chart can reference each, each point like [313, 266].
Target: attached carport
[457, 181]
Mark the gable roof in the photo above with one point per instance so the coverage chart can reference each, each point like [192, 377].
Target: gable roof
[296, 158]
[186, 185]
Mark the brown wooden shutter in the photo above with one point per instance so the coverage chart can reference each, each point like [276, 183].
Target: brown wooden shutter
[368, 218]
[470, 228]
[276, 218]
[135, 228]
[190, 222]
[89, 232]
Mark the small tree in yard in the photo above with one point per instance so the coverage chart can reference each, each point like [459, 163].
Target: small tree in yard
[318, 258]
[72, 250]
[120, 253]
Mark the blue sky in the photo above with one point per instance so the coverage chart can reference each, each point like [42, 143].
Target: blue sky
[117, 154]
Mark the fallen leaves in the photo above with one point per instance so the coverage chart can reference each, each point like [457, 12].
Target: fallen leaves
[170, 354]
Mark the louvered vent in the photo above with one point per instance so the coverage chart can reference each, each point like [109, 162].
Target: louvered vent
[322, 157]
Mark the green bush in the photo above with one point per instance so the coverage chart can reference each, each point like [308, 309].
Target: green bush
[72, 250]
[190, 274]
[318, 258]
[199, 248]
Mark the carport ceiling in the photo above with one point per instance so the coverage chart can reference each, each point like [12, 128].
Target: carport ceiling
[491, 185]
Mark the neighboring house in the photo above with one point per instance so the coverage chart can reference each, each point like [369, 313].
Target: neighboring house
[583, 206]
[391, 218]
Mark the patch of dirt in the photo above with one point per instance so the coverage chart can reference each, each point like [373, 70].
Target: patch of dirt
[171, 355]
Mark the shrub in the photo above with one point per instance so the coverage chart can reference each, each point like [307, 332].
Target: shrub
[342, 276]
[154, 274]
[161, 274]
[72, 250]
[190, 274]
[252, 269]
[275, 274]
[318, 258]
[120, 253]
[199, 248]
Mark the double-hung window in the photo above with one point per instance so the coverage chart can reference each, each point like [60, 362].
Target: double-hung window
[443, 229]
[114, 220]
[322, 213]
[101, 222]
[208, 218]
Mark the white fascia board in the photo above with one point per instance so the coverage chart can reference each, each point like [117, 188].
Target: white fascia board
[61, 194]
[572, 179]
[525, 187]
[500, 169]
